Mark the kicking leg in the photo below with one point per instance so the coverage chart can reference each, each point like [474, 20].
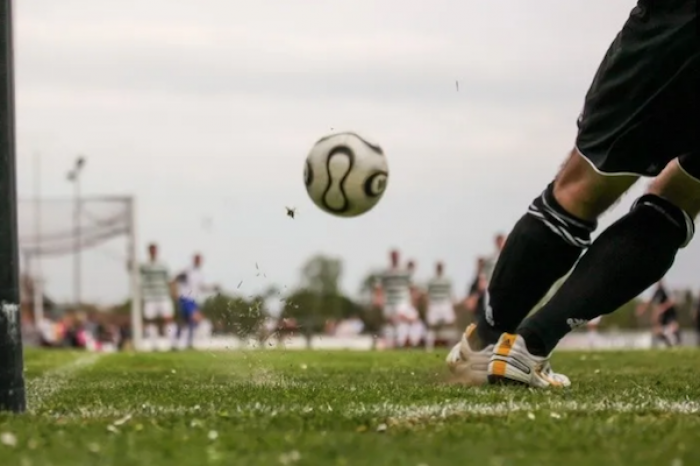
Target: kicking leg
[542, 247]
[633, 253]
[546, 243]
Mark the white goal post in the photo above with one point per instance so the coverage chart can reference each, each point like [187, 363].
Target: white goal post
[61, 229]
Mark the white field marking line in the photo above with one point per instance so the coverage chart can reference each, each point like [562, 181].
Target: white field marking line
[395, 411]
[268, 378]
[41, 389]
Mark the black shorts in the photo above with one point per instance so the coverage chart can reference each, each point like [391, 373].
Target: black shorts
[668, 317]
[641, 110]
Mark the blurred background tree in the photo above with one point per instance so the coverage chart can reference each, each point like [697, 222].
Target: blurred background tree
[234, 314]
[319, 298]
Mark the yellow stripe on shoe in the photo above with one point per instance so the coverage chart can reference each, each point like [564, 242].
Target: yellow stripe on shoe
[505, 344]
[503, 348]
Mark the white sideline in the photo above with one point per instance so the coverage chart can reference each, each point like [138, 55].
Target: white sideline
[576, 341]
[40, 390]
[398, 412]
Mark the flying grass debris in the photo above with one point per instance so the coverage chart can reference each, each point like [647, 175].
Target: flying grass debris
[8, 439]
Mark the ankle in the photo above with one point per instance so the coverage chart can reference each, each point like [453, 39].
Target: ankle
[475, 341]
[485, 335]
[534, 344]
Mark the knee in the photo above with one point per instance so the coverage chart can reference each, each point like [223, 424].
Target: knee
[679, 186]
[585, 193]
[570, 228]
[668, 212]
[583, 197]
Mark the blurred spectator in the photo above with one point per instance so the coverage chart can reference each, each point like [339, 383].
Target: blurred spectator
[349, 327]
[75, 334]
[330, 327]
[475, 302]
[156, 292]
[50, 333]
[191, 291]
[440, 313]
[125, 337]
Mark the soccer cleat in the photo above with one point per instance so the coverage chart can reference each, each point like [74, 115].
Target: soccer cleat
[511, 362]
[468, 365]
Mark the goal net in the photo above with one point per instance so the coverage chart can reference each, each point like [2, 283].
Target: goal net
[77, 255]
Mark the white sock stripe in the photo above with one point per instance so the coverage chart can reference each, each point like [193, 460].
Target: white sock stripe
[564, 218]
[559, 223]
[553, 213]
[560, 231]
[689, 229]
[565, 235]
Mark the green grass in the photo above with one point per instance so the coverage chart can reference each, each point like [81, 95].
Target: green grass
[322, 408]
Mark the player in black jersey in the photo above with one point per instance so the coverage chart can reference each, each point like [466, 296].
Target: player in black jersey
[640, 119]
[664, 317]
[475, 301]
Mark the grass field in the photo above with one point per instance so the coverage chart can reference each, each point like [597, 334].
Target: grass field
[304, 408]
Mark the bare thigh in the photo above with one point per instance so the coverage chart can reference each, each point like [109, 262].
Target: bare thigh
[677, 186]
[586, 193]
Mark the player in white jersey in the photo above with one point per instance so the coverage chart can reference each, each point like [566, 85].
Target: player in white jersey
[441, 312]
[158, 309]
[191, 291]
[393, 294]
[415, 329]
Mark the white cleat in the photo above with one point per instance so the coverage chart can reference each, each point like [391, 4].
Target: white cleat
[468, 365]
[511, 362]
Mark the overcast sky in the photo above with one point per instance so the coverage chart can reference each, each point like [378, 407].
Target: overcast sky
[206, 110]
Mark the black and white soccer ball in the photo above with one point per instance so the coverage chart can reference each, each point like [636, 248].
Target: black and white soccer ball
[345, 175]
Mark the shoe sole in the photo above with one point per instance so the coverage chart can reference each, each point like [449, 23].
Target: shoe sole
[505, 381]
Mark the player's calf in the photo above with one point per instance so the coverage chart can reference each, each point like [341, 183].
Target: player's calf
[546, 242]
[633, 253]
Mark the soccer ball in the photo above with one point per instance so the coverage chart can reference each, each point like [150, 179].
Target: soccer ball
[345, 175]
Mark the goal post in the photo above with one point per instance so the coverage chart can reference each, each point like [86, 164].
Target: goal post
[12, 387]
[134, 279]
[73, 240]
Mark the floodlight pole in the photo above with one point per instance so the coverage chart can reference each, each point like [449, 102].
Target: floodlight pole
[12, 395]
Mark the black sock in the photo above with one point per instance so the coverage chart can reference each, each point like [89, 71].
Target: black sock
[542, 248]
[663, 339]
[677, 337]
[627, 258]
